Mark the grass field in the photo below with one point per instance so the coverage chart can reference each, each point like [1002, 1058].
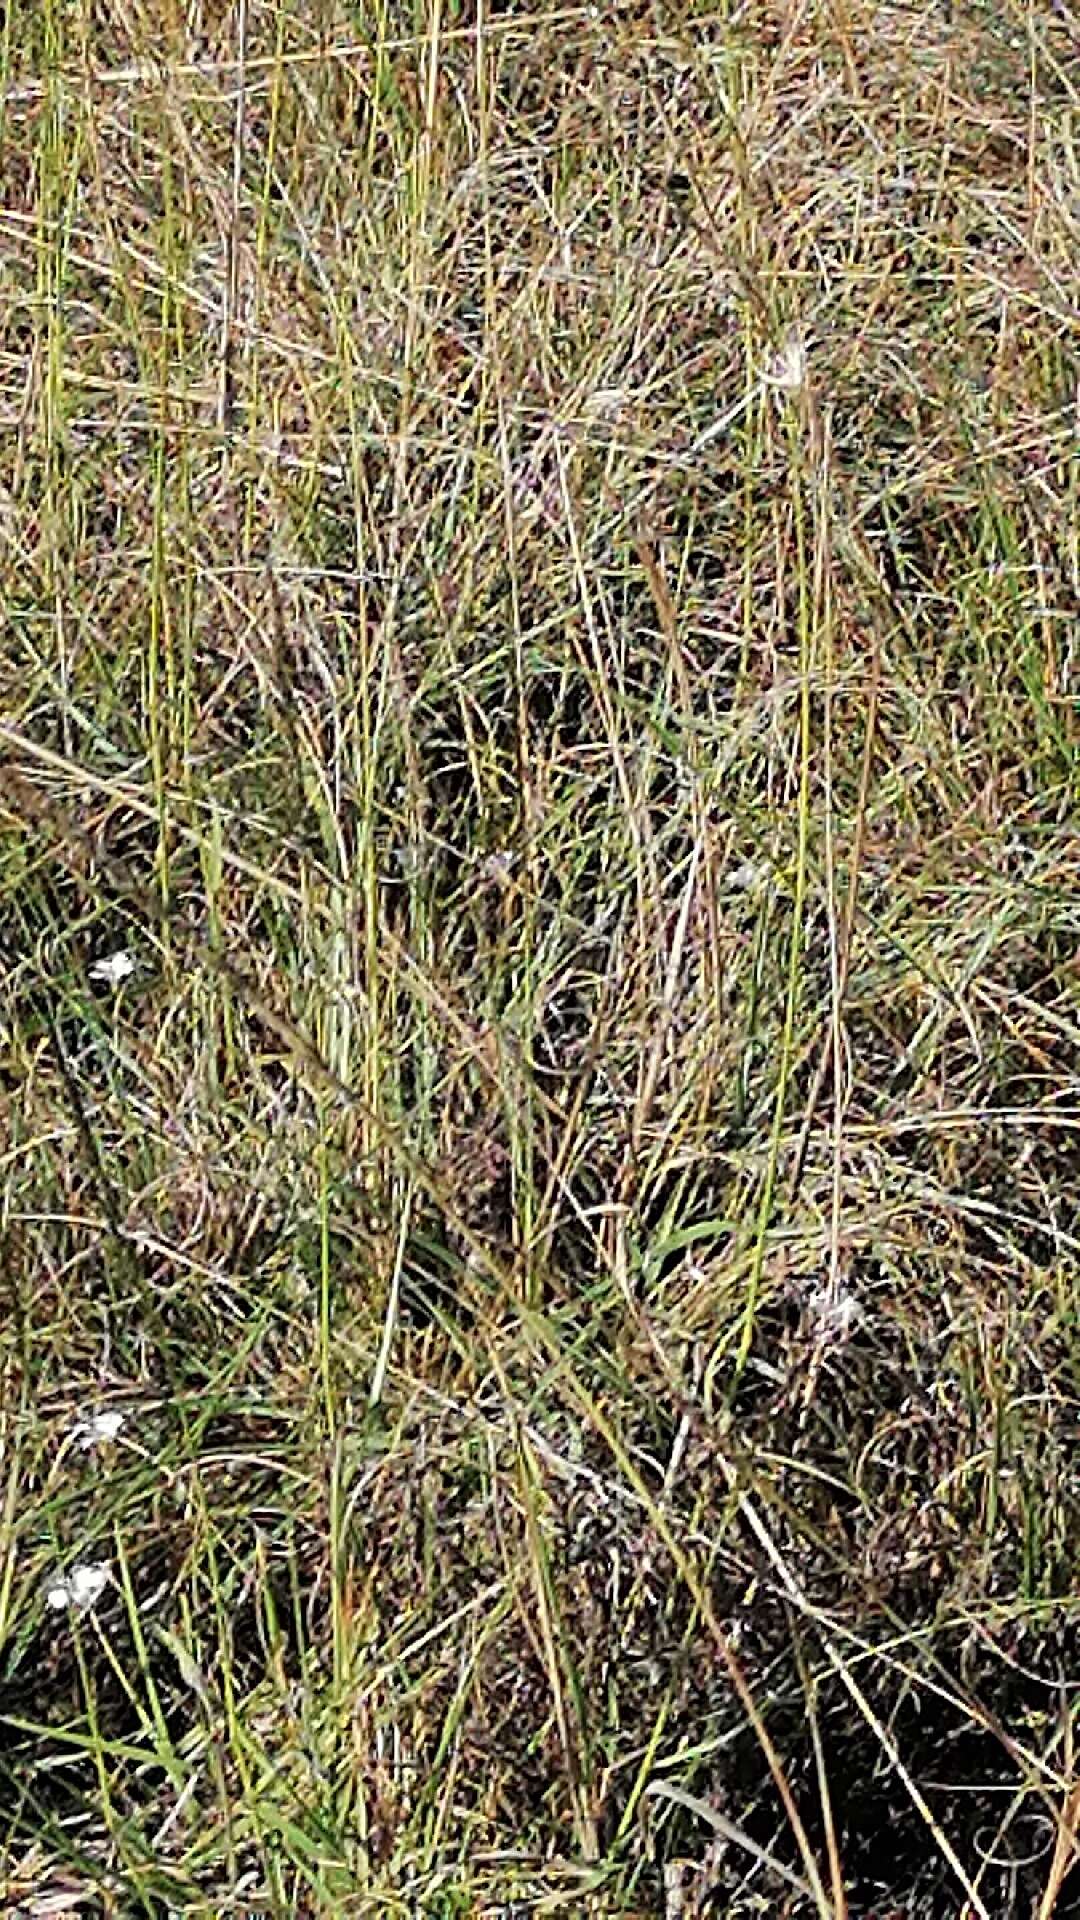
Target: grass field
[540, 996]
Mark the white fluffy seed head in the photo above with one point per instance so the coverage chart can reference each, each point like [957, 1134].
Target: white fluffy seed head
[80, 1589]
[835, 1315]
[91, 1429]
[113, 968]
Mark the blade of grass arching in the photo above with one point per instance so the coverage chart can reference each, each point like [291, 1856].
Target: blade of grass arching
[90, 1742]
[728, 1830]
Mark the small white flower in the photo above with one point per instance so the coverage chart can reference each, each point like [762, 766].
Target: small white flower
[788, 369]
[80, 1589]
[92, 1428]
[113, 968]
[834, 1314]
[750, 876]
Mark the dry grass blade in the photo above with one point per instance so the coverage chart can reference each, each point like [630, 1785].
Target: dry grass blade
[1066, 1853]
[727, 1829]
